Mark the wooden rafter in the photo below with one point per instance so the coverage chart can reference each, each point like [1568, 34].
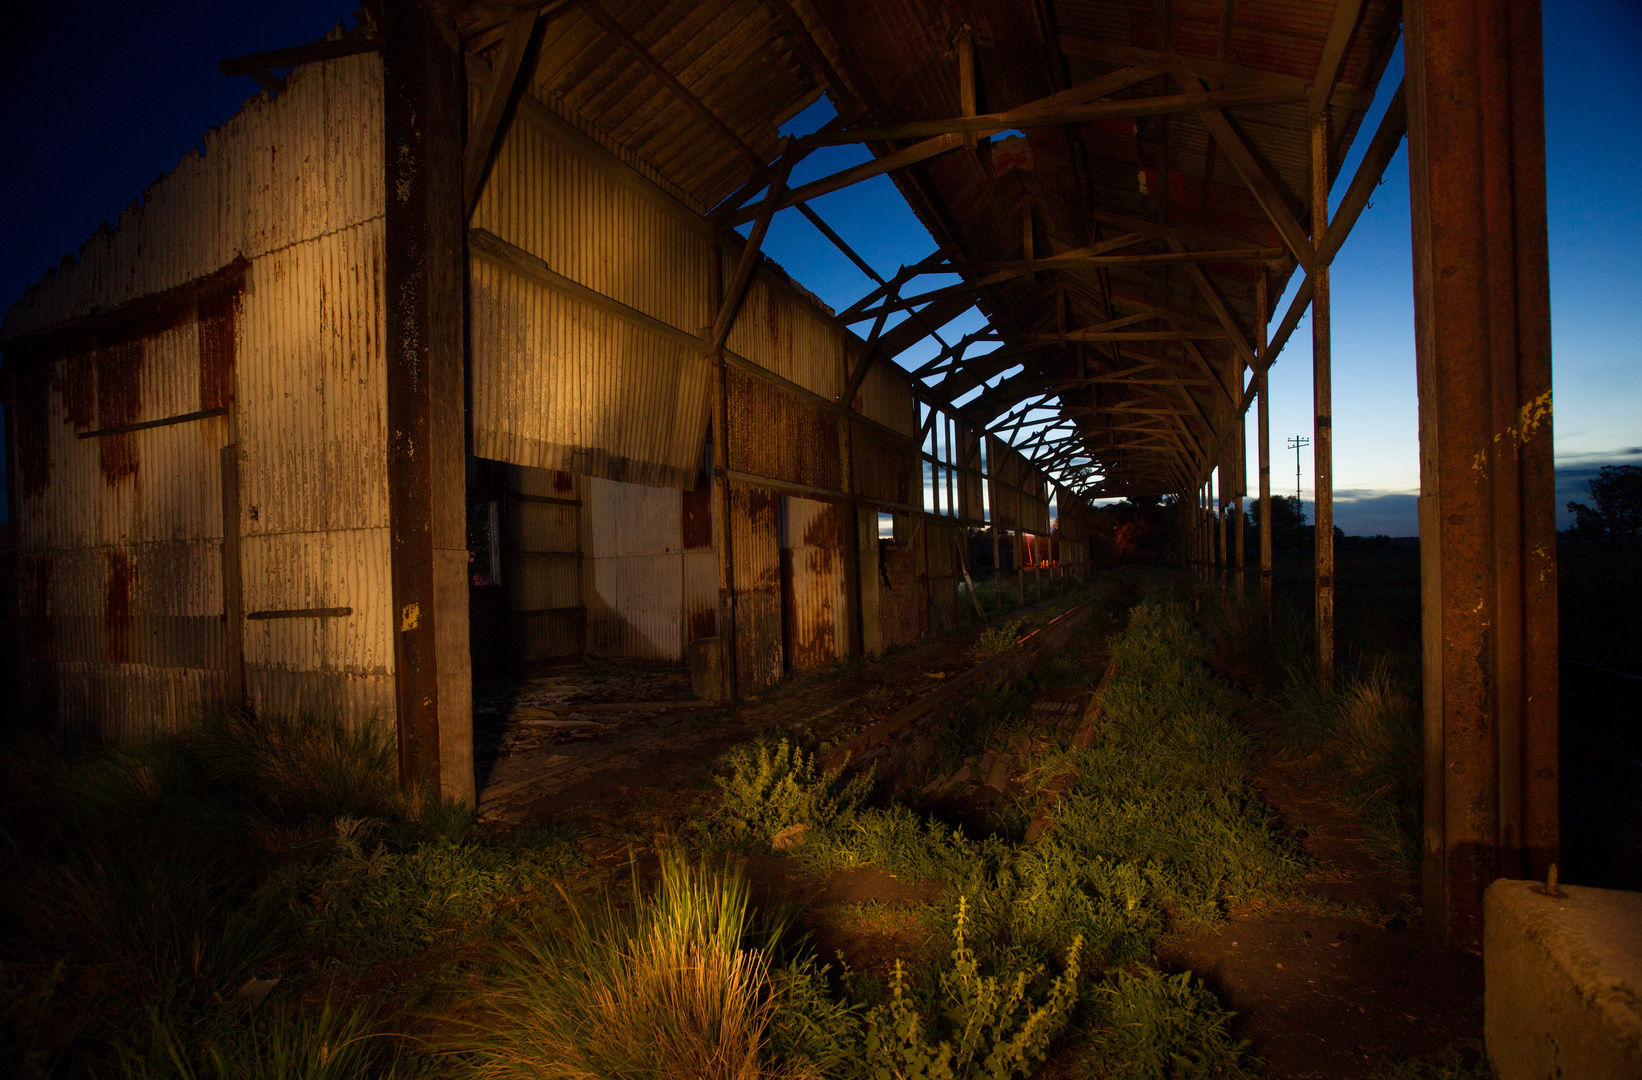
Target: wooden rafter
[487, 133]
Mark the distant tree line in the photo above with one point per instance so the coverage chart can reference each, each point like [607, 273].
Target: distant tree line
[1617, 492]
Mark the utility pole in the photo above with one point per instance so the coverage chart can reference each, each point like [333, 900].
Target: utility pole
[1297, 443]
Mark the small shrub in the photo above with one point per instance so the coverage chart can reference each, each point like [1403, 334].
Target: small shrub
[769, 788]
[987, 1028]
[1165, 1027]
[996, 640]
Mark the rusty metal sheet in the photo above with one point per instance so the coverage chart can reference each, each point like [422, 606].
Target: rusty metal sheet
[278, 172]
[777, 434]
[813, 580]
[756, 541]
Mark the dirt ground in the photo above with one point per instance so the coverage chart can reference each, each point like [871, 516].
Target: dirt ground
[1336, 987]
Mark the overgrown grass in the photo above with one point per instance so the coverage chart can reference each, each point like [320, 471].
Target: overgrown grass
[145, 886]
[1365, 726]
[1160, 832]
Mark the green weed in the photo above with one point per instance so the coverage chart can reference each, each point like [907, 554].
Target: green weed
[1152, 1026]
[986, 1027]
[768, 788]
[997, 639]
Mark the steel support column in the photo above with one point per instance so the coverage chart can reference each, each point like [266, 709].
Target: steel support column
[1487, 499]
[1322, 396]
[1263, 440]
[423, 270]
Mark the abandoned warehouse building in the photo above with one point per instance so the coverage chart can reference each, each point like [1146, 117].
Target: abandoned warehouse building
[457, 347]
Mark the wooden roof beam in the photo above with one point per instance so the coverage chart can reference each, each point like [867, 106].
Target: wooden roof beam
[1184, 67]
[1035, 115]
[1381, 149]
[1255, 179]
[1335, 44]
[487, 133]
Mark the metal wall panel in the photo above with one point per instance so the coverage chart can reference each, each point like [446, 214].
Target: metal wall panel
[313, 509]
[886, 396]
[119, 536]
[797, 340]
[816, 600]
[885, 466]
[755, 541]
[561, 385]
[776, 433]
[126, 545]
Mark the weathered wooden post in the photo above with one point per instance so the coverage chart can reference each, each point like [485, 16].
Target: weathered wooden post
[1322, 394]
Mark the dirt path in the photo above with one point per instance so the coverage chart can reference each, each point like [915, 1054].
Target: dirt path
[1343, 980]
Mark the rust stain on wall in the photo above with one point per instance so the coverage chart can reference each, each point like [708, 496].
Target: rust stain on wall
[700, 624]
[778, 322]
[119, 402]
[117, 607]
[219, 307]
[697, 517]
[563, 483]
[78, 385]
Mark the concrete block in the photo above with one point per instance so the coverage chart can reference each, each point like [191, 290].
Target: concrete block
[1563, 978]
[707, 669]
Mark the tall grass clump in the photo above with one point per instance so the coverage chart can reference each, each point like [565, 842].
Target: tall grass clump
[682, 983]
[1161, 830]
[767, 788]
[1367, 728]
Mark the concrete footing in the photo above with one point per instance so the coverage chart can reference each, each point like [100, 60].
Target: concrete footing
[1564, 982]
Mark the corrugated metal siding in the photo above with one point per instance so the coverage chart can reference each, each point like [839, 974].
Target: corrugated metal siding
[787, 336]
[778, 434]
[120, 536]
[290, 189]
[560, 385]
[885, 466]
[541, 564]
[886, 396]
[817, 601]
[755, 542]
[313, 477]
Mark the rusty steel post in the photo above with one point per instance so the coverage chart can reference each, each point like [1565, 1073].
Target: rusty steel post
[1322, 393]
[1487, 490]
[1263, 440]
